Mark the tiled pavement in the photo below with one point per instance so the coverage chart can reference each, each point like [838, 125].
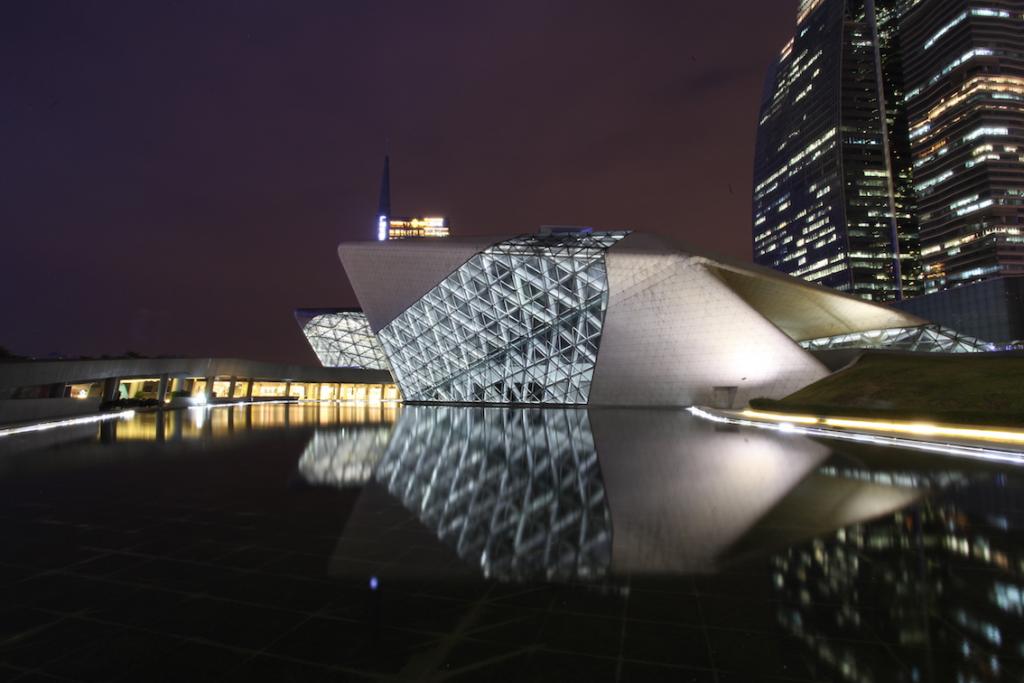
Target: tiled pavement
[215, 567]
[219, 567]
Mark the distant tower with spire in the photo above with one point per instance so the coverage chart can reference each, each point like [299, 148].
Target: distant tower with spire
[397, 228]
[384, 202]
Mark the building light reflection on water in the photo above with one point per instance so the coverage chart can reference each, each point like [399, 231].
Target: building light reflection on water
[215, 421]
[344, 456]
[944, 584]
[69, 422]
[858, 563]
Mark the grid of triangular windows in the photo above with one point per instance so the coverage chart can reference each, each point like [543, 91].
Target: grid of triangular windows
[920, 339]
[517, 493]
[344, 339]
[519, 322]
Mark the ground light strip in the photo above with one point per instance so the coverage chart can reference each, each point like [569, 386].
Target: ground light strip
[916, 428]
[126, 414]
[977, 452]
[45, 426]
[92, 419]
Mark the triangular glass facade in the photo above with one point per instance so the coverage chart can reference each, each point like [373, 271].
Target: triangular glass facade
[343, 339]
[921, 339]
[519, 322]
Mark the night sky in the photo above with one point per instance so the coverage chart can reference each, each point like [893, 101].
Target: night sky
[175, 176]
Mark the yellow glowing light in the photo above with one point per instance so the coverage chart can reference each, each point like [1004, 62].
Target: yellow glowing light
[56, 424]
[429, 226]
[959, 450]
[984, 83]
[806, 7]
[916, 428]
[430, 222]
[925, 429]
[779, 417]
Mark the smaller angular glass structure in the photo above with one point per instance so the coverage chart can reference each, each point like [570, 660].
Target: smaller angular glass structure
[343, 457]
[921, 338]
[519, 322]
[341, 338]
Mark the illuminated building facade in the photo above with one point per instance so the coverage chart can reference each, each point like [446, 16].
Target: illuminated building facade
[576, 316]
[964, 66]
[402, 227]
[427, 226]
[832, 201]
[341, 338]
[560, 494]
[79, 387]
[921, 338]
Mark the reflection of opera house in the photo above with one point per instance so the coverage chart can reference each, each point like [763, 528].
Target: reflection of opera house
[567, 493]
[573, 316]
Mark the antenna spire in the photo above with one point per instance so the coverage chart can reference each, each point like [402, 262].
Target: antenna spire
[384, 200]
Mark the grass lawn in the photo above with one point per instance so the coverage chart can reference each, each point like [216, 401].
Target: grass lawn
[969, 388]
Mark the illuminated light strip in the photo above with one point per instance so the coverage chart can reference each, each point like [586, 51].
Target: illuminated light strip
[976, 452]
[917, 428]
[780, 416]
[926, 429]
[55, 424]
[124, 414]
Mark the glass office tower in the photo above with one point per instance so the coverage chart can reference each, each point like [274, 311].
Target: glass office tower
[964, 69]
[832, 199]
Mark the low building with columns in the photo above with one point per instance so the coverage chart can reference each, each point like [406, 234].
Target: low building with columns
[39, 389]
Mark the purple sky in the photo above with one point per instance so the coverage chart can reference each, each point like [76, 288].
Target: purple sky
[175, 176]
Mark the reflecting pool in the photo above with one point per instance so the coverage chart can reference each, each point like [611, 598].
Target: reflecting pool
[374, 541]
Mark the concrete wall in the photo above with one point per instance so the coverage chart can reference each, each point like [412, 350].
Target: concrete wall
[674, 332]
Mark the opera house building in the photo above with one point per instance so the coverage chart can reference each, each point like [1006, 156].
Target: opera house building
[572, 316]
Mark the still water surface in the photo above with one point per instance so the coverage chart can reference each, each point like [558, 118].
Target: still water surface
[352, 542]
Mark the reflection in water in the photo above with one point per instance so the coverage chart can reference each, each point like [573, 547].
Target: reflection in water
[343, 456]
[945, 584]
[541, 493]
[919, 480]
[219, 421]
[515, 492]
[179, 431]
[682, 491]
[828, 562]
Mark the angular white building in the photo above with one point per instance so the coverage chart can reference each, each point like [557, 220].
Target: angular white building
[603, 318]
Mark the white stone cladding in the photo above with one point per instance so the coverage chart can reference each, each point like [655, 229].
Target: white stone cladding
[673, 332]
[388, 277]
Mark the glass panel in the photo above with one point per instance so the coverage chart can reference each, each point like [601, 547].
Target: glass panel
[519, 322]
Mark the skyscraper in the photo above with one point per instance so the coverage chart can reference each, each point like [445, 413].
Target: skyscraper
[906, 115]
[964, 68]
[402, 227]
[832, 200]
